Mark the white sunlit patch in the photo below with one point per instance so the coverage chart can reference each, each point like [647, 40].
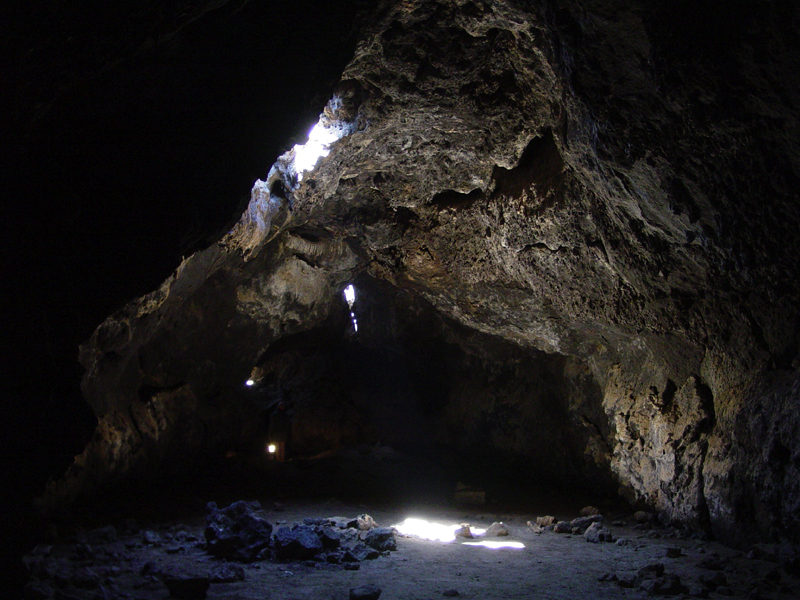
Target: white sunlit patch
[497, 545]
[427, 530]
[320, 139]
[249, 383]
[350, 296]
[438, 532]
[271, 448]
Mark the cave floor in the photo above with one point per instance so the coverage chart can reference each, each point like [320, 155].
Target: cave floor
[551, 565]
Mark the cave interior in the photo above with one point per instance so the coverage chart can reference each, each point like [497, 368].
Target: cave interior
[532, 257]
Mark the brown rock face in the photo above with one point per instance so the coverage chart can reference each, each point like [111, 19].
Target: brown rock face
[589, 207]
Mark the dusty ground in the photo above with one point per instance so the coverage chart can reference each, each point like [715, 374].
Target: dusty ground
[550, 566]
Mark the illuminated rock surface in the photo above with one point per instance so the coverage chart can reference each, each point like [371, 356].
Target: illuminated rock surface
[572, 230]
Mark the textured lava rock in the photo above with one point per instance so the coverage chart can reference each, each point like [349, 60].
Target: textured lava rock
[564, 178]
[297, 543]
[238, 532]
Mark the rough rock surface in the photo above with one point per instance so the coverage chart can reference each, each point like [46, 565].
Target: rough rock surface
[604, 187]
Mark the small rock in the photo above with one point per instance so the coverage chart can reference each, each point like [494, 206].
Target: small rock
[496, 530]
[621, 542]
[608, 577]
[365, 522]
[596, 533]
[365, 592]
[562, 527]
[151, 538]
[642, 516]
[698, 591]
[588, 511]
[666, 585]
[464, 532]
[674, 553]
[626, 580]
[353, 566]
[450, 593]
[537, 529]
[583, 522]
[175, 550]
[546, 521]
[651, 571]
[226, 573]
[619, 523]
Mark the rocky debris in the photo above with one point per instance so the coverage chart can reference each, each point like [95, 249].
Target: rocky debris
[546, 521]
[297, 543]
[596, 533]
[365, 592]
[583, 522]
[239, 532]
[226, 573]
[496, 530]
[588, 511]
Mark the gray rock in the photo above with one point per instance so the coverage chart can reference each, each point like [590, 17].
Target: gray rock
[496, 530]
[588, 511]
[583, 522]
[365, 592]
[562, 527]
[596, 533]
[330, 537]
[546, 521]
[297, 543]
[381, 538]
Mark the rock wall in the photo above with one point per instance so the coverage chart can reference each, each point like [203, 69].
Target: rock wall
[604, 183]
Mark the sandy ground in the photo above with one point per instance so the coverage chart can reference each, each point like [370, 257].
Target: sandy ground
[551, 566]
